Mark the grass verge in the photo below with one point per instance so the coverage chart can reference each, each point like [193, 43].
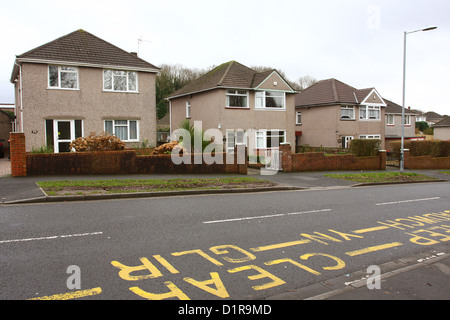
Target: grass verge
[381, 177]
[85, 187]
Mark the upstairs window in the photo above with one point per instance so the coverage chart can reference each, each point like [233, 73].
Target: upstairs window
[237, 99]
[369, 113]
[347, 113]
[60, 77]
[270, 100]
[120, 81]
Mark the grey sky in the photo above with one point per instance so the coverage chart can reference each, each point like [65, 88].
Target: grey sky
[356, 41]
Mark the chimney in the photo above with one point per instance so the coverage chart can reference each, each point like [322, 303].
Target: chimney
[134, 54]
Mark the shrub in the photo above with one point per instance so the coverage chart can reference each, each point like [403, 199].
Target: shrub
[364, 147]
[434, 148]
[94, 142]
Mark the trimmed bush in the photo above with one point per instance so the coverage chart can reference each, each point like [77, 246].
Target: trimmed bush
[434, 148]
[364, 147]
[94, 142]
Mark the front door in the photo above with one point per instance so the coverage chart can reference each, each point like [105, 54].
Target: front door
[64, 132]
[346, 141]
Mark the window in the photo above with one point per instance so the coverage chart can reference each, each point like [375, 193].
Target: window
[125, 130]
[298, 117]
[121, 81]
[269, 138]
[347, 113]
[188, 109]
[61, 77]
[407, 120]
[237, 99]
[234, 138]
[270, 100]
[369, 113]
[370, 136]
[390, 119]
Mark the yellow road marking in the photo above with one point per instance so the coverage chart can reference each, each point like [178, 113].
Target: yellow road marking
[71, 295]
[280, 245]
[374, 248]
[371, 229]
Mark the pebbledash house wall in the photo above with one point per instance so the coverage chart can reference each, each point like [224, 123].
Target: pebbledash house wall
[89, 103]
[209, 107]
[322, 126]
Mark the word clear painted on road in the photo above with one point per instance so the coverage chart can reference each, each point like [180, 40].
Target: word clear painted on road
[157, 277]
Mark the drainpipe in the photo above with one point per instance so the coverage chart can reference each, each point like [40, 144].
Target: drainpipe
[170, 119]
[21, 97]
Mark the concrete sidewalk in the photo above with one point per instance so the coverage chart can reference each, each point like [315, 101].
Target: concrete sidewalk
[421, 277]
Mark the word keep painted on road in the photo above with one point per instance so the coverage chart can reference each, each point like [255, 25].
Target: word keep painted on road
[229, 259]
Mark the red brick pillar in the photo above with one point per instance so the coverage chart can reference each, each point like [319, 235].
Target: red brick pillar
[406, 158]
[18, 154]
[382, 155]
[286, 157]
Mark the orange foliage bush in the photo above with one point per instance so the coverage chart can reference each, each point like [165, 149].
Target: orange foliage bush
[94, 142]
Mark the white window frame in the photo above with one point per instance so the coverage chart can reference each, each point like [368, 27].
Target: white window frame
[352, 108]
[262, 134]
[114, 125]
[188, 109]
[368, 109]
[235, 138]
[127, 74]
[390, 119]
[407, 120]
[260, 100]
[60, 70]
[370, 136]
[297, 115]
[237, 93]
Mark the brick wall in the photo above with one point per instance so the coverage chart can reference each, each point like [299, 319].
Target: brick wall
[122, 162]
[18, 154]
[425, 162]
[317, 161]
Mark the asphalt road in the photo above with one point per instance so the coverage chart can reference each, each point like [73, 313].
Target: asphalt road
[233, 246]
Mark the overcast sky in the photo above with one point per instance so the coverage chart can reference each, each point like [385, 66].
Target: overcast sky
[358, 42]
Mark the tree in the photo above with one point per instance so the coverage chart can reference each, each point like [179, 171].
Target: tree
[170, 79]
[305, 82]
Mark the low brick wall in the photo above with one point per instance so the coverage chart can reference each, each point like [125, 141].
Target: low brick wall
[317, 161]
[17, 152]
[122, 162]
[426, 162]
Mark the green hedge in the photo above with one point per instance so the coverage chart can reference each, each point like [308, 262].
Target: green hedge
[434, 148]
[365, 147]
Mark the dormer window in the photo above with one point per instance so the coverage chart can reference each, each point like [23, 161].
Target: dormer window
[61, 77]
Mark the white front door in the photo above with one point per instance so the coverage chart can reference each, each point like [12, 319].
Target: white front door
[64, 132]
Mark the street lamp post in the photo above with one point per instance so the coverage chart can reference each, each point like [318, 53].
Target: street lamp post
[402, 153]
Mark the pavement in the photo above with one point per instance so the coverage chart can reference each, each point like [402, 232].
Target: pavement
[423, 277]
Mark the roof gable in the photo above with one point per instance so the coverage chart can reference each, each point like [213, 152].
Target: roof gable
[83, 48]
[373, 97]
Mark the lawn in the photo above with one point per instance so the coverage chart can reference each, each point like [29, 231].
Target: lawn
[379, 177]
[83, 187]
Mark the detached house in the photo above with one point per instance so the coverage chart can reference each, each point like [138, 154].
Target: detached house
[331, 113]
[248, 107]
[78, 84]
